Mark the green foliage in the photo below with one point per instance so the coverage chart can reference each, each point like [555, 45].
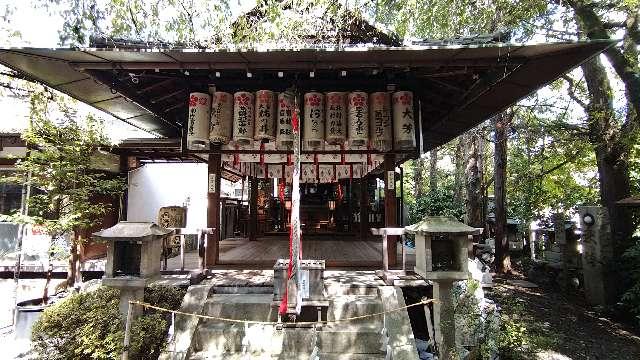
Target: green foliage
[631, 298]
[520, 336]
[476, 325]
[512, 333]
[439, 202]
[551, 164]
[169, 297]
[59, 167]
[446, 19]
[82, 326]
[90, 326]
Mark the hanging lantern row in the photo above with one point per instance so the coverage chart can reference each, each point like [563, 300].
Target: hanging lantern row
[309, 173]
[379, 120]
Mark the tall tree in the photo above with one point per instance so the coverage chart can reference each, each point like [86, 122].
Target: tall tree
[418, 186]
[612, 138]
[501, 132]
[473, 178]
[458, 161]
[433, 170]
[59, 166]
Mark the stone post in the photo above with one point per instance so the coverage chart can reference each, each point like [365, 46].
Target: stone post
[561, 239]
[597, 255]
[443, 318]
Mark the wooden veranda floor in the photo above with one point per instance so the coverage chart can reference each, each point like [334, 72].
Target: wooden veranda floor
[337, 252]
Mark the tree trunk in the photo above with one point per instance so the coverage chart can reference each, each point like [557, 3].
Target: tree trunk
[459, 171]
[612, 151]
[73, 262]
[417, 178]
[433, 170]
[473, 180]
[502, 258]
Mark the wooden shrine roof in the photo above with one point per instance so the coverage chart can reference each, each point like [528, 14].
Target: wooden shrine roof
[458, 86]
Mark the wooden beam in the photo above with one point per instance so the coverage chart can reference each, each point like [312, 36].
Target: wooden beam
[390, 207]
[213, 210]
[298, 65]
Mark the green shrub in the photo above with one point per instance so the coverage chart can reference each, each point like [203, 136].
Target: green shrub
[82, 326]
[90, 326]
[169, 297]
[631, 297]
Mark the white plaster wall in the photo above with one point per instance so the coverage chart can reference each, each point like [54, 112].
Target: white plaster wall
[153, 186]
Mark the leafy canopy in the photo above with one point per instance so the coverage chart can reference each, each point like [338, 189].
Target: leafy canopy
[59, 167]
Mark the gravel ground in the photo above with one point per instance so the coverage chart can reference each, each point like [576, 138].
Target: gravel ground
[574, 330]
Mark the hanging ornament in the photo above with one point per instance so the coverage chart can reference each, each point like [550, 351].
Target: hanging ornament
[358, 118]
[313, 121]
[198, 121]
[261, 153]
[243, 118]
[403, 121]
[221, 117]
[284, 132]
[281, 186]
[336, 127]
[380, 130]
[265, 115]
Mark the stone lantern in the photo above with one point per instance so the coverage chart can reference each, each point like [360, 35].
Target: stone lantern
[133, 257]
[442, 245]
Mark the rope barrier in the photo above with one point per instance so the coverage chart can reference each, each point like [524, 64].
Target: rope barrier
[149, 306]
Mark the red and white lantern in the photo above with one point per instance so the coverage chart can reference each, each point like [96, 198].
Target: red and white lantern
[403, 120]
[198, 121]
[336, 116]
[221, 117]
[265, 115]
[380, 130]
[243, 118]
[314, 121]
[284, 131]
[358, 118]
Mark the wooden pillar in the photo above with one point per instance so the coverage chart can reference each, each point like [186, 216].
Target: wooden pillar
[364, 208]
[390, 206]
[253, 208]
[213, 210]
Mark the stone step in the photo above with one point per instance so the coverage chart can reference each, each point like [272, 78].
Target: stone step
[224, 338]
[337, 289]
[255, 307]
[266, 356]
[348, 306]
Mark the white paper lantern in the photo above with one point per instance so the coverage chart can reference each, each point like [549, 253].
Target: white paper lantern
[243, 118]
[313, 134]
[265, 115]
[284, 134]
[358, 118]
[198, 121]
[336, 116]
[221, 117]
[403, 121]
[380, 130]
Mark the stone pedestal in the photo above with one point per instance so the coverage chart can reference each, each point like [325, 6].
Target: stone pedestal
[443, 318]
[597, 254]
[131, 288]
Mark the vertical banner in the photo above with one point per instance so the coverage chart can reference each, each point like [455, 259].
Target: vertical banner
[292, 301]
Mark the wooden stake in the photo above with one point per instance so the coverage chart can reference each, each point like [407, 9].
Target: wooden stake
[127, 335]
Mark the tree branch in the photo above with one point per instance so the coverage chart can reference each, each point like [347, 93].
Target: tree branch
[613, 25]
[624, 66]
[572, 94]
